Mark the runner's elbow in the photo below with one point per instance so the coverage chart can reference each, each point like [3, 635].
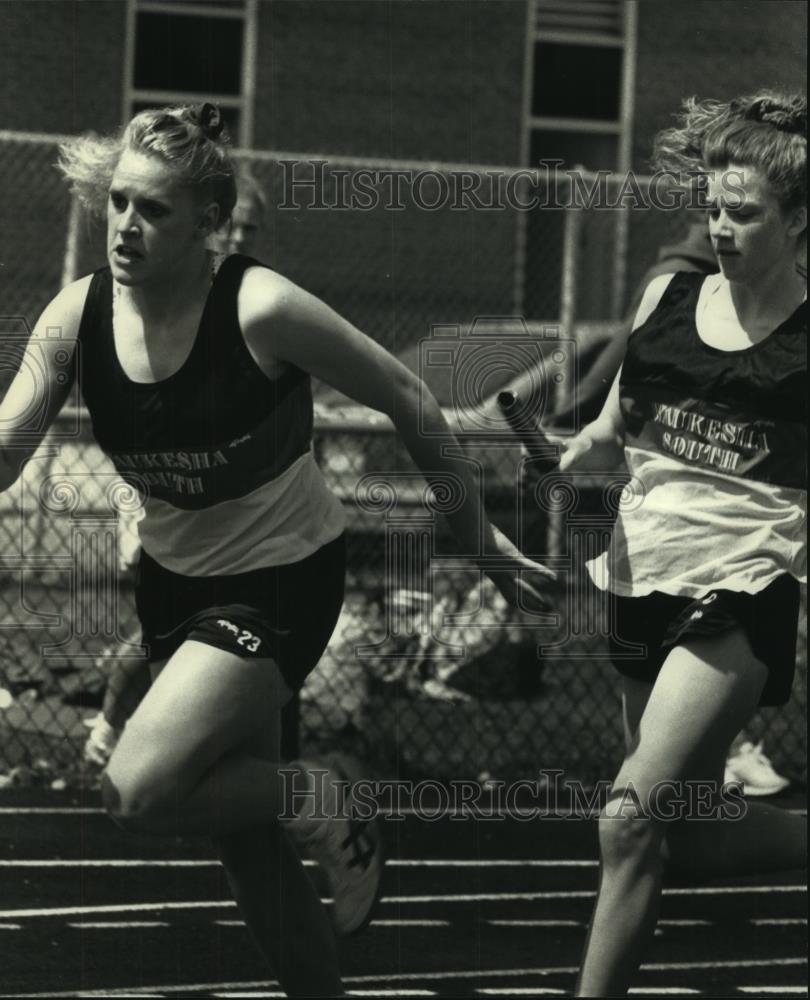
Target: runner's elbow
[407, 393]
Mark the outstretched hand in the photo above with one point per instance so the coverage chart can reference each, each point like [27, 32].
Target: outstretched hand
[521, 581]
[589, 452]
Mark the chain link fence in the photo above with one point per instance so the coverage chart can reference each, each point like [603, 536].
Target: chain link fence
[428, 673]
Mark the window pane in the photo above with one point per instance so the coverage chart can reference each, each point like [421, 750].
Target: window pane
[230, 116]
[592, 151]
[202, 4]
[577, 81]
[181, 52]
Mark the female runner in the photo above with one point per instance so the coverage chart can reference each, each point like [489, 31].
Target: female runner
[198, 387]
[709, 412]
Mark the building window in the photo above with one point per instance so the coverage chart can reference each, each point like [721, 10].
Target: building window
[577, 112]
[183, 52]
[580, 82]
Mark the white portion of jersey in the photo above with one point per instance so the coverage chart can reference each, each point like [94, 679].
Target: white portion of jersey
[282, 522]
[693, 530]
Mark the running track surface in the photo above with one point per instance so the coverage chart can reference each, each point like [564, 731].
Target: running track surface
[471, 909]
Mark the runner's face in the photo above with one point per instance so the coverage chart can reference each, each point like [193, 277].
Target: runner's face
[246, 226]
[153, 221]
[749, 231]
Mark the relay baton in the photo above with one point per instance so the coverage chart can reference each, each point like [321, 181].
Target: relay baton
[527, 432]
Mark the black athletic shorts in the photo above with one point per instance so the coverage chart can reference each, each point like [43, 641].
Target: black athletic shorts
[659, 621]
[286, 613]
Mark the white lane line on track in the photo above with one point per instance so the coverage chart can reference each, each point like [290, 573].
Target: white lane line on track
[115, 925]
[485, 812]
[77, 911]
[50, 811]
[518, 991]
[213, 863]
[174, 989]
[481, 897]
[778, 991]
[119, 994]
[494, 863]
[536, 923]
[747, 963]
[410, 923]
[750, 963]
[384, 923]
[663, 991]
[779, 922]
[111, 863]
[581, 923]
[10, 927]
[391, 993]
[685, 923]
[485, 897]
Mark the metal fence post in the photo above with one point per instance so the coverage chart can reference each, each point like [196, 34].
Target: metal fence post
[572, 229]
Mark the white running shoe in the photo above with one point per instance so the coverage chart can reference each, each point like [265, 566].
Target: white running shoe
[347, 848]
[749, 765]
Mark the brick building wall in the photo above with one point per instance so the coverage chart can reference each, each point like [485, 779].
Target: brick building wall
[61, 65]
[435, 80]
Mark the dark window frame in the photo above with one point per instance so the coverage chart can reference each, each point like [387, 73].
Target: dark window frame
[239, 106]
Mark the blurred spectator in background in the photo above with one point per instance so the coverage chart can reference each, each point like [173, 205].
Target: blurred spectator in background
[692, 253]
[249, 217]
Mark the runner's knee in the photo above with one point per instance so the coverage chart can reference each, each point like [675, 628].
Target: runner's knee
[137, 800]
[627, 832]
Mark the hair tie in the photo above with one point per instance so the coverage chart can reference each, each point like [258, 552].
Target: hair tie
[786, 118]
[785, 121]
[209, 118]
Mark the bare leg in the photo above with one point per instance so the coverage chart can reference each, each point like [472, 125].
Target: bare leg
[194, 758]
[262, 865]
[129, 682]
[765, 838]
[186, 762]
[282, 910]
[703, 696]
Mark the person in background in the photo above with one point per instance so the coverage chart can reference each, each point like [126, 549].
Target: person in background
[249, 220]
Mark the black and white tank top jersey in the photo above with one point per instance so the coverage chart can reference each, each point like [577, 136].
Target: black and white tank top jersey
[716, 442]
[220, 453]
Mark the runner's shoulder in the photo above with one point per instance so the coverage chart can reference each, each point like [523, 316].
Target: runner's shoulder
[653, 294]
[63, 314]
